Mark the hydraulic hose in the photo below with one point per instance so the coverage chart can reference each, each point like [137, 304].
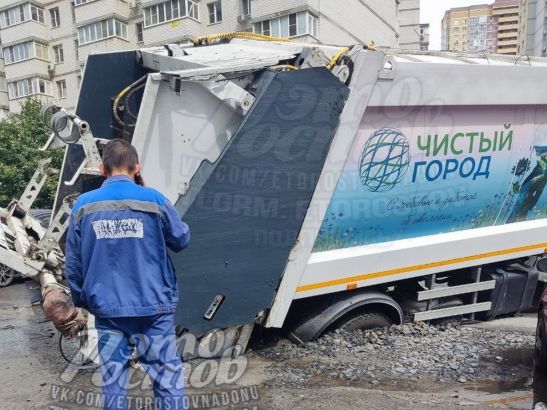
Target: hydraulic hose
[205, 40]
[336, 57]
[118, 98]
[128, 97]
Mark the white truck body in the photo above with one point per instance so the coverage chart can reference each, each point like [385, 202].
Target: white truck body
[431, 163]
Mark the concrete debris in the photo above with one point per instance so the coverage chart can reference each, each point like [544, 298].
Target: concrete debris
[413, 351]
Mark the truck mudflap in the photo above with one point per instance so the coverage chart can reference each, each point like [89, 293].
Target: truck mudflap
[246, 215]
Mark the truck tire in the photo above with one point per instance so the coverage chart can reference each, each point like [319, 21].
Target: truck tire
[6, 276]
[364, 321]
[540, 355]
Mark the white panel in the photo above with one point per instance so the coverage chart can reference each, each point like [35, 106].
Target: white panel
[332, 271]
[176, 133]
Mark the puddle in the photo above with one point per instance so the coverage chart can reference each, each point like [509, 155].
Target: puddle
[503, 386]
[516, 392]
[522, 356]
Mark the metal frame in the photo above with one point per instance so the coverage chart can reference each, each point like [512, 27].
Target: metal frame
[452, 311]
[368, 65]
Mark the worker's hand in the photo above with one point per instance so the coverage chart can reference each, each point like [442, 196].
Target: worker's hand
[77, 325]
[139, 180]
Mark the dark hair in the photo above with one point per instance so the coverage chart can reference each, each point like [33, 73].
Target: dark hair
[119, 154]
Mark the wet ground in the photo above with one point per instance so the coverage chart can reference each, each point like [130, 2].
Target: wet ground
[33, 375]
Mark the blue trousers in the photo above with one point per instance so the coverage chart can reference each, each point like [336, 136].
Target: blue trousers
[155, 342]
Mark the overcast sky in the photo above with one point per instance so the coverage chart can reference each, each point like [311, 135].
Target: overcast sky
[432, 12]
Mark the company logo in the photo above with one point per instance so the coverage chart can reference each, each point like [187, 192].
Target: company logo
[384, 160]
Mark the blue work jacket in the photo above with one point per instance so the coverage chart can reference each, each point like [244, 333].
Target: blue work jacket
[117, 263]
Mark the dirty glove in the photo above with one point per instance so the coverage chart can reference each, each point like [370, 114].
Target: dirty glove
[59, 308]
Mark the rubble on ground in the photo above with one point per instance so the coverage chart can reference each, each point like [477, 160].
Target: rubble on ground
[412, 351]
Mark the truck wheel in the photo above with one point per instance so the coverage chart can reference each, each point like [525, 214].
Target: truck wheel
[541, 344]
[6, 275]
[364, 321]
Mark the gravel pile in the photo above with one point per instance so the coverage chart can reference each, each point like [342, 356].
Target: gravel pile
[411, 351]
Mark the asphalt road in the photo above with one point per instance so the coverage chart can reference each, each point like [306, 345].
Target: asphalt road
[33, 375]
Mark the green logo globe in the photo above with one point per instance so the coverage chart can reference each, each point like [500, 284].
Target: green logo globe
[384, 160]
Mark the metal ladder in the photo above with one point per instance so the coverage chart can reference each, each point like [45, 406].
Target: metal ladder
[470, 309]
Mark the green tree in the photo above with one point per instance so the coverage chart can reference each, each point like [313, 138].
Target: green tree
[21, 137]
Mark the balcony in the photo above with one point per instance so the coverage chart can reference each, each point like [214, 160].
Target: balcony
[265, 9]
[510, 34]
[508, 19]
[172, 31]
[503, 43]
[507, 50]
[508, 27]
[28, 68]
[103, 46]
[98, 9]
[21, 31]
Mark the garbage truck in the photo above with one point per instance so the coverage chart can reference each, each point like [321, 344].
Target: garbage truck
[325, 187]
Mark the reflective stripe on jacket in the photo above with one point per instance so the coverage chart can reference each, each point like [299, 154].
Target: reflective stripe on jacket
[117, 263]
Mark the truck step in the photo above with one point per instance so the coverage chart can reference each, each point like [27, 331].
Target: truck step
[456, 290]
[452, 311]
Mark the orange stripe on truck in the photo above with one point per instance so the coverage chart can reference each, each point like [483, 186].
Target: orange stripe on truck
[414, 268]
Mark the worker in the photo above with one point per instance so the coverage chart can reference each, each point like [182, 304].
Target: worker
[118, 268]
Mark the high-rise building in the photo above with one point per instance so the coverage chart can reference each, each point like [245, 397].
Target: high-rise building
[409, 23]
[506, 13]
[424, 36]
[489, 28]
[46, 42]
[533, 28]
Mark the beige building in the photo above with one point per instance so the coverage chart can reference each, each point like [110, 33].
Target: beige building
[46, 42]
[491, 28]
[506, 13]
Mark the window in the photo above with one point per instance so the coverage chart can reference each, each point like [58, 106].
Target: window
[295, 24]
[101, 30]
[41, 51]
[18, 52]
[25, 51]
[138, 28]
[3, 84]
[192, 9]
[61, 89]
[58, 53]
[37, 14]
[169, 11]
[292, 25]
[20, 14]
[215, 12]
[79, 2]
[246, 7]
[55, 17]
[29, 86]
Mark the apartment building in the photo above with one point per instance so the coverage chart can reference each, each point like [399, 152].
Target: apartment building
[506, 13]
[46, 42]
[533, 28]
[489, 28]
[409, 23]
[4, 102]
[424, 36]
